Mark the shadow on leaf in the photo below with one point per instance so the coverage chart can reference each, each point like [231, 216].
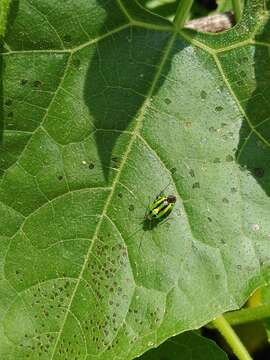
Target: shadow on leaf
[253, 149]
[1, 96]
[118, 81]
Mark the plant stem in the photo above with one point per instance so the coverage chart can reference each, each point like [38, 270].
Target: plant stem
[182, 13]
[232, 339]
[247, 315]
[237, 9]
[4, 5]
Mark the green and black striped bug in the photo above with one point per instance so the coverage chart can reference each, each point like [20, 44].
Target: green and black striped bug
[158, 211]
[160, 208]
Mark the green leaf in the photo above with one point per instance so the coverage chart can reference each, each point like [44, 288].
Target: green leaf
[4, 6]
[265, 293]
[187, 346]
[104, 105]
[165, 8]
[224, 5]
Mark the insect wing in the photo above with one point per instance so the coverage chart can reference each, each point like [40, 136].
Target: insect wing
[164, 211]
[155, 207]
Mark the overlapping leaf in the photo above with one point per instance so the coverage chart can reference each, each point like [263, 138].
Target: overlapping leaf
[189, 346]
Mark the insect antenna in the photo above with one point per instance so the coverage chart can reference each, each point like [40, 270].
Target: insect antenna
[162, 191]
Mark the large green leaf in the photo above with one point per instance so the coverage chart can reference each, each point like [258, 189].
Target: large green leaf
[106, 104]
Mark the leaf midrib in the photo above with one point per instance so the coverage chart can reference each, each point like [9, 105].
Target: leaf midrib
[135, 132]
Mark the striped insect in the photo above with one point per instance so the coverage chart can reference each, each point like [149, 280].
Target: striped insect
[157, 211]
[160, 208]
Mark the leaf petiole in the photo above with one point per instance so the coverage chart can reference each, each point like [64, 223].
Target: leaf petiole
[232, 338]
[182, 13]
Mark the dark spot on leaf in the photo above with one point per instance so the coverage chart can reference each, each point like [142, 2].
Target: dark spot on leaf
[188, 124]
[192, 173]
[60, 177]
[216, 160]
[91, 166]
[67, 38]
[233, 190]
[218, 108]
[167, 101]
[76, 62]
[173, 170]
[240, 82]
[196, 185]
[131, 207]
[10, 114]
[225, 200]
[209, 219]
[116, 161]
[258, 172]
[229, 158]
[120, 195]
[243, 167]
[37, 83]
[243, 74]
[203, 95]
[23, 82]
[8, 102]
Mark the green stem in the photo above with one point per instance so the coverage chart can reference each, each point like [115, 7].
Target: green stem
[4, 5]
[232, 339]
[182, 13]
[247, 315]
[237, 9]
